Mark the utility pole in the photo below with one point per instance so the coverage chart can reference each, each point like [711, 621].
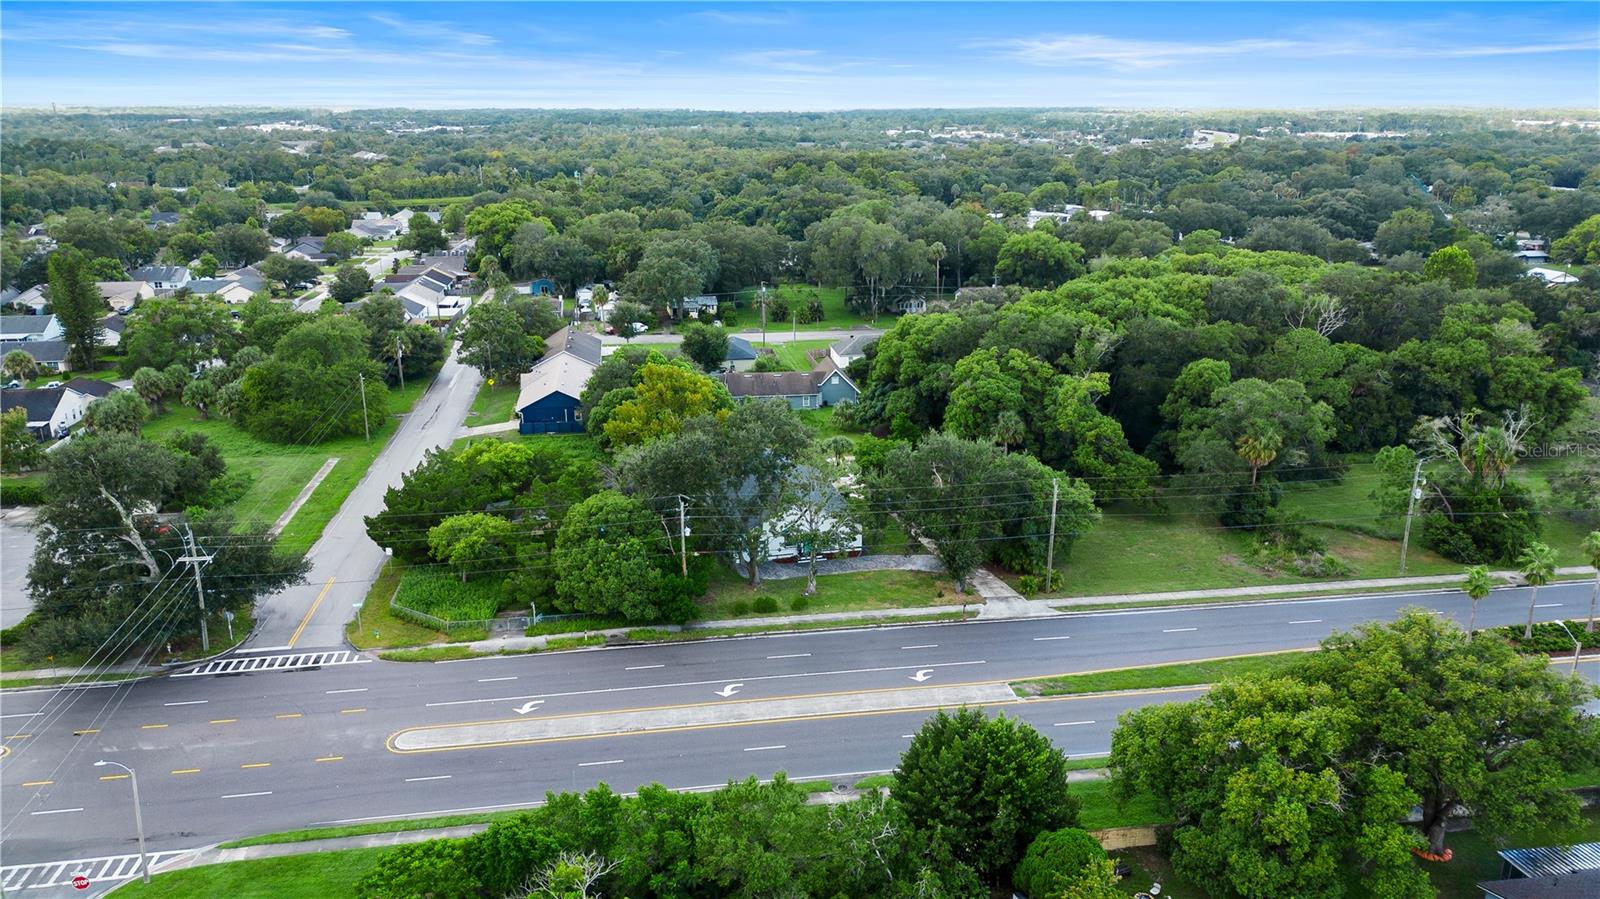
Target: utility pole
[361, 379]
[794, 320]
[683, 537]
[400, 360]
[1050, 548]
[763, 313]
[194, 559]
[1411, 508]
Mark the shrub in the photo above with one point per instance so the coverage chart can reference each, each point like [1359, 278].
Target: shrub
[443, 595]
[1057, 860]
[1029, 584]
[21, 492]
[765, 605]
[741, 609]
[800, 604]
[503, 857]
[435, 869]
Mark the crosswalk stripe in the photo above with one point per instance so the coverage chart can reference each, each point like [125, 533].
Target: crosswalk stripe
[285, 662]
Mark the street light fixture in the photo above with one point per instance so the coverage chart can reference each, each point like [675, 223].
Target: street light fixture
[138, 816]
[1577, 645]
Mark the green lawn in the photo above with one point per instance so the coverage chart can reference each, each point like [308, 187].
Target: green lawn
[835, 593]
[493, 404]
[278, 471]
[820, 421]
[1157, 676]
[104, 374]
[793, 354]
[313, 876]
[835, 314]
[379, 627]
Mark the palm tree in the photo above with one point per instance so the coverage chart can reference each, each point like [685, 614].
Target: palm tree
[1538, 565]
[1591, 549]
[1258, 450]
[1478, 584]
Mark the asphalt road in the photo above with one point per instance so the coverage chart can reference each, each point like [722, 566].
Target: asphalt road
[344, 561]
[222, 757]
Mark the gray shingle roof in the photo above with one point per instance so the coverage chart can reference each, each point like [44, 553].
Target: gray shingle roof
[159, 273]
[49, 352]
[854, 345]
[562, 373]
[25, 324]
[739, 349]
[770, 383]
[573, 342]
[92, 387]
[41, 403]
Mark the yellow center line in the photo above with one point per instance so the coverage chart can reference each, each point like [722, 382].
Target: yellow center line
[37, 783]
[151, 726]
[290, 715]
[331, 758]
[256, 765]
[350, 711]
[224, 720]
[309, 612]
[92, 730]
[19, 736]
[113, 777]
[186, 771]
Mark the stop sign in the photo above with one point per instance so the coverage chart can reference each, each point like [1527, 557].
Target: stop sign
[80, 882]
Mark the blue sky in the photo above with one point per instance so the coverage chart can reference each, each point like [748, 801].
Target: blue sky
[759, 56]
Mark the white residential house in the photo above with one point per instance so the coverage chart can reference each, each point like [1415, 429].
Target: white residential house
[161, 277]
[1551, 276]
[780, 549]
[693, 306]
[122, 296]
[843, 352]
[30, 327]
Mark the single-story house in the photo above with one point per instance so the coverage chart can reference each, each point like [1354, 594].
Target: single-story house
[819, 388]
[542, 286]
[90, 389]
[550, 398]
[695, 305]
[30, 327]
[375, 229]
[1532, 257]
[227, 289]
[910, 304]
[51, 355]
[161, 277]
[462, 247]
[843, 352]
[122, 296]
[309, 249]
[1551, 276]
[780, 549]
[434, 292]
[47, 413]
[33, 299]
[249, 277]
[741, 354]
[111, 330]
[163, 219]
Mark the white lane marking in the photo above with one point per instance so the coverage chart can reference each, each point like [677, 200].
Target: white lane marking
[792, 655]
[702, 683]
[1070, 723]
[56, 811]
[1087, 755]
[922, 646]
[412, 780]
[907, 736]
[262, 649]
[643, 667]
[1545, 605]
[247, 795]
[606, 762]
[1041, 639]
[24, 714]
[1179, 630]
[763, 748]
[1307, 621]
[346, 690]
[490, 680]
[189, 702]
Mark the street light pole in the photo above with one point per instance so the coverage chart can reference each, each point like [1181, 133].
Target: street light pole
[138, 816]
[1577, 645]
[1411, 508]
[194, 559]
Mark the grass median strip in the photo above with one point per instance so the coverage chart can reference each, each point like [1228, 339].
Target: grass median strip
[1182, 674]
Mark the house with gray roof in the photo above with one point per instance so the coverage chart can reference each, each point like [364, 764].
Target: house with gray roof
[30, 327]
[843, 352]
[819, 388]
[50, 355]
[161, 277]
[122, 296]
[33, 299]
[572, 342]
[742, 355]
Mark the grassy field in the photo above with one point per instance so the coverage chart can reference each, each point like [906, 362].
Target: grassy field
[835, 593]
[278, 471]
[835, 314]
[493, 404]
[379, 627]
[793, 354]
[1157, 676]
[820, 421]
[313, 876]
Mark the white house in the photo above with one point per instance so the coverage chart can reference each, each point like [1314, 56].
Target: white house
[54, 410]
[30, 327]
[843, 352]
[122, 296]
[780, 549]
[1550, 276]
[161, 277]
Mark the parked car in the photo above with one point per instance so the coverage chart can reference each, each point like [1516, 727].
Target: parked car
[53, 384]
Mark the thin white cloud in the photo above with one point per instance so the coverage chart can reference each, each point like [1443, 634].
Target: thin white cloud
[1122, 53]
[749, 19]
[434, 30]
[805, 61]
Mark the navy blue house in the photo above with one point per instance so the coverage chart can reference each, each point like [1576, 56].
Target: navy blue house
[549, 401]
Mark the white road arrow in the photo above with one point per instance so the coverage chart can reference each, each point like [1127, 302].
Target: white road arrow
[922, 675]
[729, 690]
[529, 706]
